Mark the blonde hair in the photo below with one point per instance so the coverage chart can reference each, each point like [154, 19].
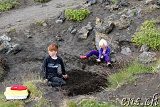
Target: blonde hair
[102, 43]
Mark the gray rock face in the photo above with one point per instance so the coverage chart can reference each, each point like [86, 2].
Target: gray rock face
[91, 2]
[61, 15]
[6, 47]
[5, 38]
[147, 57]
[105, 27]
[14, 49]
[83, 32]
[158, 2]
[123, 23]
[124, 4]
[144, 48]
[126, 51]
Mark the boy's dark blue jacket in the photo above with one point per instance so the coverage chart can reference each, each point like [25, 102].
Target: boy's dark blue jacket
[50, 66]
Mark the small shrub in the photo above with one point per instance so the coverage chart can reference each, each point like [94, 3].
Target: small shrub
[34, 92]
[113, 1]
[39, 22]
[41, 1]
[7, 5]
[12, 30]
[77, 15]
[148, 35]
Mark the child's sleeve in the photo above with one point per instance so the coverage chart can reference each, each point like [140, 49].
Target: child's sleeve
[107, 51]
[43, 69]
[62, 67]
[100, 53]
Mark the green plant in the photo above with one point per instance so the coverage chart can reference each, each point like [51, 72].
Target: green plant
[77, 15]
[134, 11]
[34, 92]
[41, 1]
[113, 1]
[87, 103]
[7, 5]
[41, 103]
[148, 35]
[12, 30]
[126, 75]
[39, 22]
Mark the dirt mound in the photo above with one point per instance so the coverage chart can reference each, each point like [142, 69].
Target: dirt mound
[146, 89]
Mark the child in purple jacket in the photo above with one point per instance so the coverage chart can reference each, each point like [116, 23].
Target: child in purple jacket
[103, 53]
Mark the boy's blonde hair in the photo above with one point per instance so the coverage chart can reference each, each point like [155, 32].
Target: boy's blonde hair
[102, 43]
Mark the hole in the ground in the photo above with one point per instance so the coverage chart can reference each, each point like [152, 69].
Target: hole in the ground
[80, 82]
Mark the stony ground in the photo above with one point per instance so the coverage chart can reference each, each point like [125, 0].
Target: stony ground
[25, 65]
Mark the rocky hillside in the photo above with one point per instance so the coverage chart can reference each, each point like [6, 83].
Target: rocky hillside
[24, 48]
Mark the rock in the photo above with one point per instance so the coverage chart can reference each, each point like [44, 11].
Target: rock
[5, 38]
[70, 28]
[59, 38]
[91, 2]
[73, 31]
[144, 48]
[83, 33]
[98, 20]
[158, 2]
[126, 51]
[44, 24]
[124, 4]
[124, 38]
[61, 16]
[123, 23]
[4, 46]
[148, 1]
[29, 36]
[106, 2]
[59, 21]
[147, 57]
[14, 49]
[89, 26]
[105, 27]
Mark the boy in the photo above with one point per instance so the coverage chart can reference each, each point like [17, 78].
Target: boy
[49, 68]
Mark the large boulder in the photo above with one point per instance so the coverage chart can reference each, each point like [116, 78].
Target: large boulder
[104, 27]
[126, 51]
[123, 22]
[147, 57]
[83, 32]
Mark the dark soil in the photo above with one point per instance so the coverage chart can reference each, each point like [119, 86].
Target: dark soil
[80, 82]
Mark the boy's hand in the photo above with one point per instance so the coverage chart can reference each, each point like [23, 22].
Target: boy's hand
[45, 81]
[98, 60]
[65, 76]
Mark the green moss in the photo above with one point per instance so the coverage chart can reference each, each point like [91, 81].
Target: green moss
[34, 92]
[126, 75]
[39, 23]
[7, 5]
[87, 103]
[148, 35]
[12, 30]
[77, 15]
